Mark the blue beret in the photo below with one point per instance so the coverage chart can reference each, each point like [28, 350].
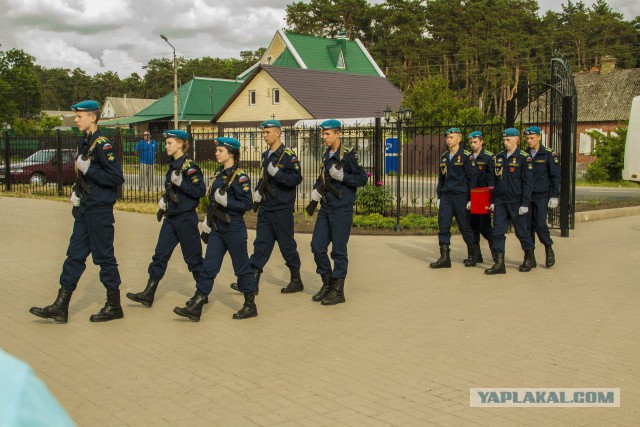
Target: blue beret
[228, 142]
[330, 124]
[86, 106]
[176, 133]
[452, 130]
[510, 132]
[533, 130]
[475, 134]
[271, 124]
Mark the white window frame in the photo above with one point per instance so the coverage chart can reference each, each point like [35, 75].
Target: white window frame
[273, 96]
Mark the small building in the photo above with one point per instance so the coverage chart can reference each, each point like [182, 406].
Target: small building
[118, 108]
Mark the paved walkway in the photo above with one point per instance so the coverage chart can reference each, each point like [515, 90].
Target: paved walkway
[403, 350]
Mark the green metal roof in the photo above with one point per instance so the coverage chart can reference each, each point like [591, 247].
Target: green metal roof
[322, 54]
[133, 119]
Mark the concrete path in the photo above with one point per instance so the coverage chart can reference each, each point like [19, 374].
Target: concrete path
[404, 350]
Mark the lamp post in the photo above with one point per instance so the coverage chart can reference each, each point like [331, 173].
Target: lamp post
[402, 117]
[175, 83]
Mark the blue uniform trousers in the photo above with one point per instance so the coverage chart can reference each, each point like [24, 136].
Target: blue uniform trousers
[481, 225]
[502, 214]
[92, 234]
[272, 227]
[450, 206]
[332, 226]
[230, 237]
[183, 229]
[537, 219]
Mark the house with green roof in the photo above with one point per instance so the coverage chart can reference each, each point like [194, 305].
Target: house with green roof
[306, 52]
[198, 100]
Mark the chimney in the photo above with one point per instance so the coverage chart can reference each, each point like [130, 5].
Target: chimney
[608, 65]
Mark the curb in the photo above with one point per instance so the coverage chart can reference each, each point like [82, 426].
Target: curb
[607, 213]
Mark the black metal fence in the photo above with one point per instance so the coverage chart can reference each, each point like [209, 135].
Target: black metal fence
[45, 164]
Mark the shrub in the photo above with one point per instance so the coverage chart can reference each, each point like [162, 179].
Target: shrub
[374, 199]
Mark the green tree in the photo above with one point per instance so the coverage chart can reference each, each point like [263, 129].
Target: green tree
[19, 86]
[609, 150]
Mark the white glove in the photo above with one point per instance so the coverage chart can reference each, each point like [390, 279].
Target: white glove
[316, 196]
[438, 204]
[337, 174]
[205, 226]
[273, 170]
[522, 210]
[162, 205]
[83, 165]
[468, 206]
[221, 198]
[553, 203]
[492, 207]
[75, 200]
[176, 178]
[257, 197]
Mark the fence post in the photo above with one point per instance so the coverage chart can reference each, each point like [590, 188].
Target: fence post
[7, 156]
[60, 160]
[565, 164]
[377, 147]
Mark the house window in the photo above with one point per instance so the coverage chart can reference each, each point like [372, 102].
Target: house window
[587, 142]
[275, 96]
[341, 63]
[252, 97]
[269, 59]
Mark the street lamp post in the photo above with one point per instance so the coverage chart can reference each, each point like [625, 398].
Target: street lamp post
[175, 83]
[402, 117]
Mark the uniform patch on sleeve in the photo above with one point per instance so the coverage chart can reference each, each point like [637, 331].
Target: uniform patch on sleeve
[530, 166]
[529, 160]
[296, 167]
[294, 159]
[243, 178]
[555, 160]
[195, 179]
[245, 188]
[111, 157]
[191, 171]
[107, 146]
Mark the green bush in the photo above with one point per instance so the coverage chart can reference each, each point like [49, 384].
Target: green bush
[609, 150]
[415, 221]
[374, 199]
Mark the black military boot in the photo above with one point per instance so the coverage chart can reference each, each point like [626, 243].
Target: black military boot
[145, 297]
[498, 267]
[112, 309]
[529, 261]
[58, 311]
[336, 296]
[472, 256]
[479, 259]
[295, 284]
[325, 289]
[551, 256]
[256, 277]
[494, 254]
[444, 261]
[249, 308]
[193, 311]
[193, 298]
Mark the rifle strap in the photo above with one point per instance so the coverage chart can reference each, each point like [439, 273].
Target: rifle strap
[228, 181]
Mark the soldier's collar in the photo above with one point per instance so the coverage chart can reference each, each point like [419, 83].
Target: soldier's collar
[177, 162]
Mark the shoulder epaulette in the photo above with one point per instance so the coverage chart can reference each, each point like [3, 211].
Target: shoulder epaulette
[488, 153]
[100, 140]
[468, 153]
[346, 150]
[240, 172]
[289, 151]
[443, 153]
[524, 153]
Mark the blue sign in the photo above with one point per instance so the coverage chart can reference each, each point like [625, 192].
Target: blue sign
[391, 155]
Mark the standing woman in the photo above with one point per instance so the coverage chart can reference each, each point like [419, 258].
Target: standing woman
[226, 232]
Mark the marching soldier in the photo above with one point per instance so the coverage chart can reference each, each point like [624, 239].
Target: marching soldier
[276, 195]
[513, 171]
[546, 191]
[93, 197]
[456, 179]
[229, 198]
[481, 224]
[341, 172]
[184, 186]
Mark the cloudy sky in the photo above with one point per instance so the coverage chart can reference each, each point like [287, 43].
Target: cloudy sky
[122, 35]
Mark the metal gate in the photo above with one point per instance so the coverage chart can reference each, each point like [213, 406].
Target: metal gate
[553, 106]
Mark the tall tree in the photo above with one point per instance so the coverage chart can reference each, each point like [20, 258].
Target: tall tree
[19, 86]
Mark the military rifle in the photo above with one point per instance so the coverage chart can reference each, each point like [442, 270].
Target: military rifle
[265, 185]
[81, 185]
[326, 185]
[170, 194]
[214, 208]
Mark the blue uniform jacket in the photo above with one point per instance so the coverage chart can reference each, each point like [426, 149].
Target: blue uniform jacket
[484, 168]
[105, 173]
[191, 188]
[239, 198]
[284, 182]
[354, 177]
[546, 172]
[458, 175]
[514, 178]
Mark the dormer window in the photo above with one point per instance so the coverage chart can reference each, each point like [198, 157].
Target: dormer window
[341, 63]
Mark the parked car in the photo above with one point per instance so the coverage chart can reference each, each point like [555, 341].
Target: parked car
[42, 167]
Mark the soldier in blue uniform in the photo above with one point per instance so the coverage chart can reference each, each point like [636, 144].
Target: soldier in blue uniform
[184, 180]
[456, 179]
[281, 169]
[229, 198]
[513, 170]
[341, 171]
[481, 224]
[100, 174]
[546, 191]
